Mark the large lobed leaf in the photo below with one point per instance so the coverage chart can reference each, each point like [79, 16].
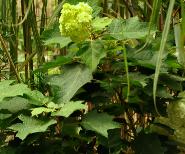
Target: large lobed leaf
[15, 104]
[99, 122]
[30, 125]
[8, 90]
[64, 86]
[130, 28]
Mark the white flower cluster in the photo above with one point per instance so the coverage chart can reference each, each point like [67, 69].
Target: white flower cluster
[75, 21]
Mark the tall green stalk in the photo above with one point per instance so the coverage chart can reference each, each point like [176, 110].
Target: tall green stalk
[161, 50]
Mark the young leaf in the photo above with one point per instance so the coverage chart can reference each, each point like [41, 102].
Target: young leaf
[100, 23]
[40, 110]
[64, 86]
[101, 124]
[30, 125]
[69, 108]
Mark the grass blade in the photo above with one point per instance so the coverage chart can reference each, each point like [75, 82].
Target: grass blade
[161, 49]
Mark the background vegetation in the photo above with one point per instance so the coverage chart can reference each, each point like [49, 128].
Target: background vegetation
[121, 91]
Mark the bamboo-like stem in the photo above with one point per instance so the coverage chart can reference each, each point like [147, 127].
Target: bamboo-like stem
[24, 18]
[43, 16]
[13, 39]
[105, 6]
[4, 15]
[9, 58]
[27, 42]
[38, 42]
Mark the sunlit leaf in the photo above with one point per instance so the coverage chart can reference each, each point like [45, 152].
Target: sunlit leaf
[101, 23]
[7, 90]
[40, 110]
[15, 104]
[69, 108]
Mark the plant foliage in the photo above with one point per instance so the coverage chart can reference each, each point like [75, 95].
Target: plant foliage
[108, 78]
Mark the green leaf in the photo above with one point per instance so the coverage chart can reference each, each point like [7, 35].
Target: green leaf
[63, 41]
[95, 4]
[53, 36]
[69, 108]
[99, 122]
[130, 28]
[179, 41]
[40, 110]
[52, 105]
[100, 23]
[4, 116]
[71, 129]
[94, 54]
[64, 86]
[148, 144]
[137, 78]
[8, 150]
[35, 97]
[175, 118]
[30, 125]
[15, 104]
[7, 90]
[59, 61]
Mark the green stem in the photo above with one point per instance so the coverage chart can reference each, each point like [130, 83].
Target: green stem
[127, 73]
